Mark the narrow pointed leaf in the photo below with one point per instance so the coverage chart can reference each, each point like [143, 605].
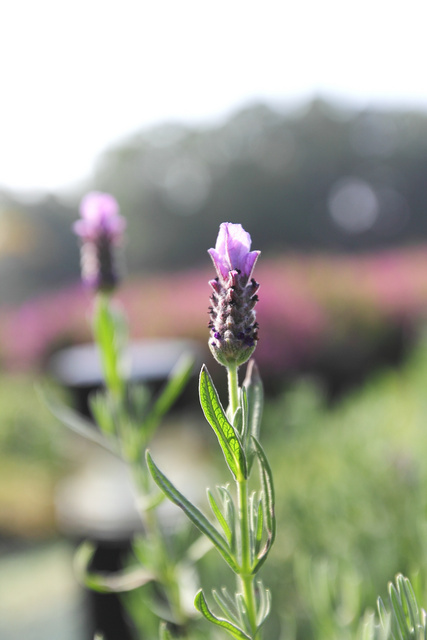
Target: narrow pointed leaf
[268, 498]
[264, 603]
[201, 605]
[260, 527]
[227, 606]
[255, 402]
[398, 613]
[237, 421]
[120, 581]
[75, 421]
[230, 515]
[219, 516]
[382, 612]
[409, 600]
[192, 512]
[178, 378]
[243, 612]
[225, 432]
[245, 433]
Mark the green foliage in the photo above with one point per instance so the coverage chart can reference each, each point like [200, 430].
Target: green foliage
[31, 455]
[351, 485]
[401, 619]
[227, 436]
[192, 512]
[117, 582]
[202, 606]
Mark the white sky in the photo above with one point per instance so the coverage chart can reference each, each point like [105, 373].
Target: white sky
[75, 76]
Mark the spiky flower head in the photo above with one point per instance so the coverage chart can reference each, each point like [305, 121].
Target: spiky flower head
[99, 228]
[234, 330]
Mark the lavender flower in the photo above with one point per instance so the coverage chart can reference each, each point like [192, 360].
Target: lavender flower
[234, 331]
[100, 228]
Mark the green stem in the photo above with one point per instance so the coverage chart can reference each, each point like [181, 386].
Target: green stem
[108, 342]
[233, 388]
[245, 573]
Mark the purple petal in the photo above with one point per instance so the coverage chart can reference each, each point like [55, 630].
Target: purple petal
[97, 206]
[232, 250]
[251, 259]
[222, 267]
[99, 216]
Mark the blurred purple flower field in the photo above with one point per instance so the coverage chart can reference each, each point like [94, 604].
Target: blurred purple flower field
[307, 303]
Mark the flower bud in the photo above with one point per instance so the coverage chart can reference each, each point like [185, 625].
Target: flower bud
[100, 230]
[234, 330]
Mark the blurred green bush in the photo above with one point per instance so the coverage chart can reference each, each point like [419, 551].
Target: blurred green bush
[30, 460]
[351, 484]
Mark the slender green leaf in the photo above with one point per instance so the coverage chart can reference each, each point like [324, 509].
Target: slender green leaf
[237, 421]
[243, 611]
[178, 378]
[367, 629]
[227, 606]
[245, 431]
[268, 501]
[424, 624]
[382, 612]
[264, 603]
[399, 623]
[76, 422]
[121, 581]
[229, 514]
[409, 601]
[259, 527]
[255, 402]
[201, 605]
[227, 436]
[219, 516]
[192, 512]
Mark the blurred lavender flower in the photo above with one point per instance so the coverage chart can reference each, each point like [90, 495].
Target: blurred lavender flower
[234, 331]
[99, 228]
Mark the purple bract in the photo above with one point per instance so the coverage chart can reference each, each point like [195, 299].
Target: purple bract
[99, 218]
[232, 251]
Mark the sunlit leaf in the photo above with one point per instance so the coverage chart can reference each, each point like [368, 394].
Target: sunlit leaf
[225, 432]
[76, 422]
[192, 512]
[178, 378]
[268, 500]
[201, 605]
[219, 516]
[120, 581]
[226, 604]
[255, 402]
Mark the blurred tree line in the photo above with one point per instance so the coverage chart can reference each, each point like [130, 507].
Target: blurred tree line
[320, 178]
